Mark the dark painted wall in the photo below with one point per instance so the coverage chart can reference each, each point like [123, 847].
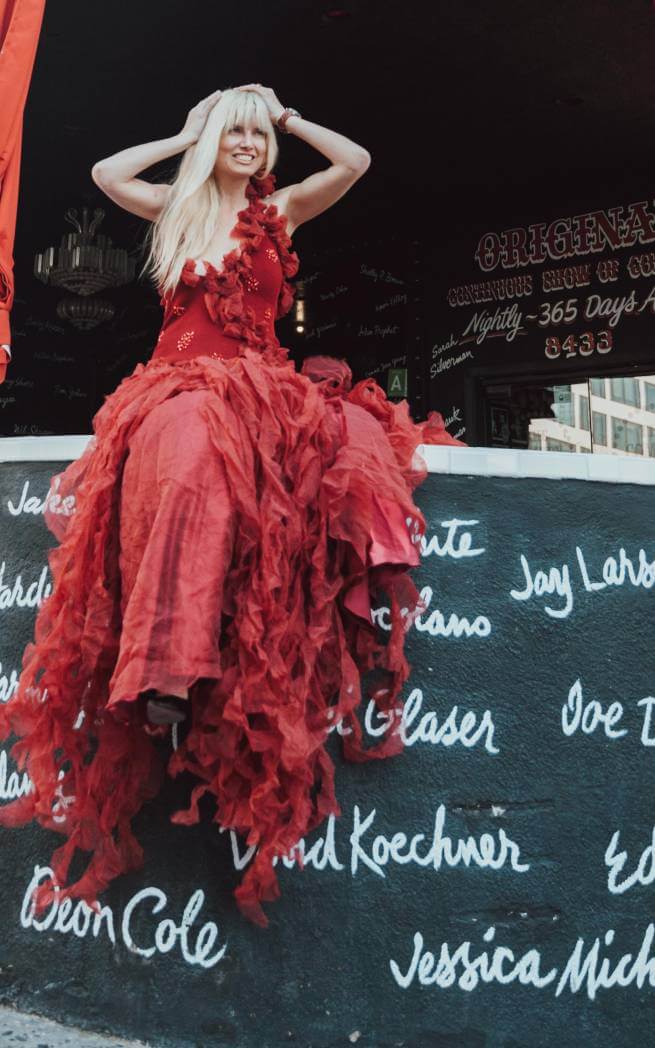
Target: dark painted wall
[511, 816]
[363, 303]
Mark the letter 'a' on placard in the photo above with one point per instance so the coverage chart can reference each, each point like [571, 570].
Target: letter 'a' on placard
[397, 382]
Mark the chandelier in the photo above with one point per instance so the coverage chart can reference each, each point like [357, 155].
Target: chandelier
[84, 264]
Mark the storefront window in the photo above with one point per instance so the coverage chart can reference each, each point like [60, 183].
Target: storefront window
[565, 417]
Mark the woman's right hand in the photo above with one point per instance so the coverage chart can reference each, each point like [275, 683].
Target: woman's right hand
[197, 117]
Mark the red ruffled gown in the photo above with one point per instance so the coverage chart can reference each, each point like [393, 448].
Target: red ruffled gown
[233, 520]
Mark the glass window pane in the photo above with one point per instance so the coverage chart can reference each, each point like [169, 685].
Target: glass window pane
[634, 438]
[558, 445]
[618, 434]
[597, 386]
[627, 436]
[625, 390]
[563, 405]
[583, 412]
[649, 390]
[651, 442]
[600, 427]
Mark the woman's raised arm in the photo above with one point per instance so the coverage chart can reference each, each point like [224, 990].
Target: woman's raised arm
[123, 166]
[315, 194]
[116, 174]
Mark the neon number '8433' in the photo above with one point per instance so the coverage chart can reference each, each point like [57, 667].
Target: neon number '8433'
[579, 345]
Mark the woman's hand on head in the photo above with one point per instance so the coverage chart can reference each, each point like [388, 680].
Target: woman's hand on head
[273, 104]
[197, 117]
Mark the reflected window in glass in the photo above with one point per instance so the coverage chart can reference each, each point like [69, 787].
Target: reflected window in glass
[626, 391]
[600, 427]
[558, 445]
[563, 405]
[627, 436]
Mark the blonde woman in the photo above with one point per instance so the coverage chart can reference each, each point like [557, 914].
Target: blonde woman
[234, 521]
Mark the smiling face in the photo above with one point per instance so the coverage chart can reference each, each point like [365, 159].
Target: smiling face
[246, 136]
[242, 148]
[247, 143]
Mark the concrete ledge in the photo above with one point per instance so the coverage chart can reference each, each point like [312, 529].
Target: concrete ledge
[42, 449]
[550, 465]
[473, 461]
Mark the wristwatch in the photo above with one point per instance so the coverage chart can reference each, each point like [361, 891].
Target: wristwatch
[283, 117]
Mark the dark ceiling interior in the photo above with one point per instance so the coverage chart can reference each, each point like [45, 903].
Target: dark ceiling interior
[454, 99]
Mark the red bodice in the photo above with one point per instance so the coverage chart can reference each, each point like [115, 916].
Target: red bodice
[222, 313]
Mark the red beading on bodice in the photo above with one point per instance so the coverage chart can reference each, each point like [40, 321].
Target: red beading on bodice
[223, 313]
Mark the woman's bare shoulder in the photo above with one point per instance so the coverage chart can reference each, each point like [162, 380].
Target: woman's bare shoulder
[280, 198]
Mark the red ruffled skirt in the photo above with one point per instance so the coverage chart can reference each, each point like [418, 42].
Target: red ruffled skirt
[233, 523]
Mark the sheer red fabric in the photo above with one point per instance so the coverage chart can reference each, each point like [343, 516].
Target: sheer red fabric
[20, 27]
[235, 521]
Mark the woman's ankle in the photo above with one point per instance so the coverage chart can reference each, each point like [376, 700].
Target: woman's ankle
[164, 709]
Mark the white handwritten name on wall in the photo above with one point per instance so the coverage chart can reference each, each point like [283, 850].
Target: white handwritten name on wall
[35, 506]
[377, 275]
[557, 581]
[319, 330]
[378, 330]
[13, 784]
[196, 946]
[15, 593]
[8, 683]
[615, 860]
[415, 725]
[367, 850]
[588, 716]
[586, 967]
[456, 544]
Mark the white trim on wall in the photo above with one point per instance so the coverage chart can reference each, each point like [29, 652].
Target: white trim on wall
[42, 449]
[549, 465]
[480, 462]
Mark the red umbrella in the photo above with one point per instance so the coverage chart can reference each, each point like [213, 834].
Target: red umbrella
[20, 26]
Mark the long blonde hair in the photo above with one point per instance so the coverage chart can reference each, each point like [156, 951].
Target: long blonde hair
[189, 217]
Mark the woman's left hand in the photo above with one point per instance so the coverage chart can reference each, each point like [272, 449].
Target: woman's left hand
[273, 103]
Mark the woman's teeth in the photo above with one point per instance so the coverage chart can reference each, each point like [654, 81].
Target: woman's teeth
[243, 158]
